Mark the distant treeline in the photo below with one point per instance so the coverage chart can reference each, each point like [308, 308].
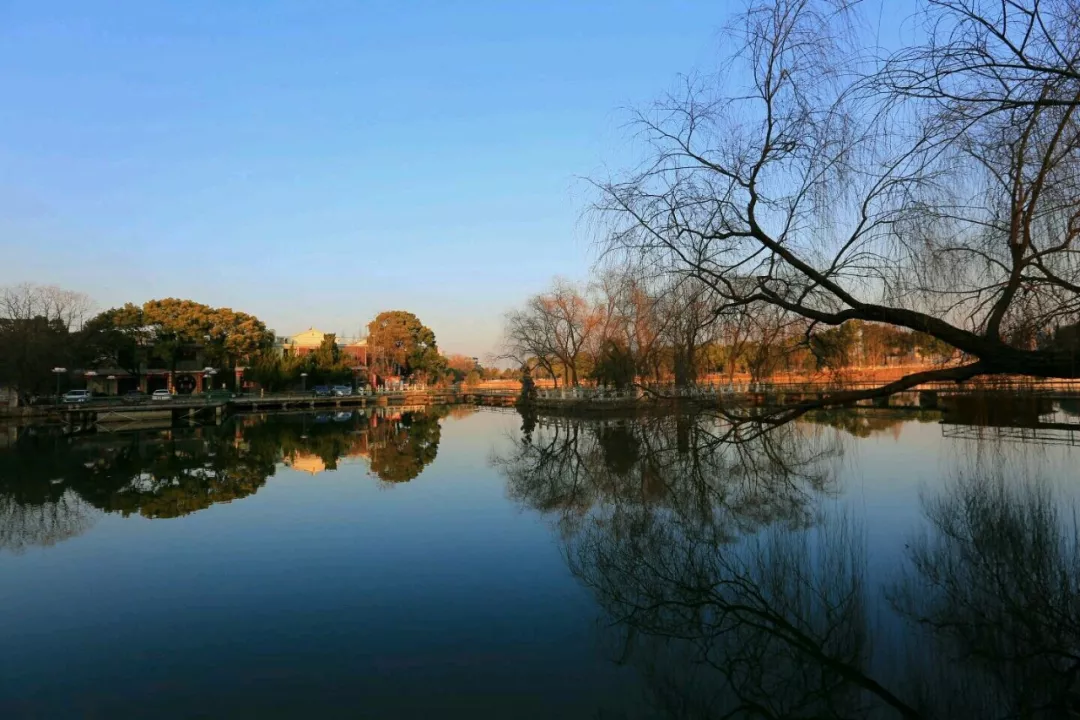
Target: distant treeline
[618, 330]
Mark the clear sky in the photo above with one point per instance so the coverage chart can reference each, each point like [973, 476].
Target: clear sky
[314, 162]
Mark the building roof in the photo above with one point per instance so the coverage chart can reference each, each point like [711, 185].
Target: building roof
[313, 337]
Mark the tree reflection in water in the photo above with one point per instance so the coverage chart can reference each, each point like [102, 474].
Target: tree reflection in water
[52, 487]
[36, 508]
[402, 447]
[734, 594]
[994, 585]
[705, 471]
[25, 523]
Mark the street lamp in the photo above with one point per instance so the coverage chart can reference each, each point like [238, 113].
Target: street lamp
[303, 382]
[208, 375]
[58, 371]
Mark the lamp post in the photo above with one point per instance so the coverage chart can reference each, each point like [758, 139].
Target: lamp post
[208, 377]
[303, 382]
[58, 371]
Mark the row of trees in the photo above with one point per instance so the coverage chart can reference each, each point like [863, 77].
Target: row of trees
[46, 327]
[621, 329]
[162, 332]
[399, 345]
[42, 328]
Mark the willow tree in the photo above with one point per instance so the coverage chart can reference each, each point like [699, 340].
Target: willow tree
[934, 189]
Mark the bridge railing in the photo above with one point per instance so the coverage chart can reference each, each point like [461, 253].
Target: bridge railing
[1023, 385]
[711, 390]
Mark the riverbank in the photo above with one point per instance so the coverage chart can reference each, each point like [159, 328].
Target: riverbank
[197, 408]
[200, 409]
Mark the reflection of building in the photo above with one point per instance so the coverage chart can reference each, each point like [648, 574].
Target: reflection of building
[305, 462]
[313, 464]
[1032, 419]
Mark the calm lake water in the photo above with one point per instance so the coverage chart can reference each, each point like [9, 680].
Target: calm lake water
[472, 563]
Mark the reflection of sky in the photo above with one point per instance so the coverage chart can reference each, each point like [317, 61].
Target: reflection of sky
[330, 589]
[885, 477]
[334, 592]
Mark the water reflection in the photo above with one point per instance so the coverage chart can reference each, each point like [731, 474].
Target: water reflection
[869, 422]
[702, 468]
[402, 447]
[994, 584]
[52, 487]
[737, 571]
[732, 582]
[26, 523]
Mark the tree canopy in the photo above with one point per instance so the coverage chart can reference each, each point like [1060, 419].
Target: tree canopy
[399, 344]
[131, 335]
[228, 335]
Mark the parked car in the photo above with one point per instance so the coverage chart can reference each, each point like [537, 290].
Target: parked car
[161, 395]
[135, 395]
[341, 391]
[321, 390]
[78, 396]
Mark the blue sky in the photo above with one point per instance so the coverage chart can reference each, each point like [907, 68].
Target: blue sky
[315, 162]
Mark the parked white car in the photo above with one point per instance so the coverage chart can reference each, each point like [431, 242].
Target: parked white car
[341, 391]
[78, 396]
[161, 395]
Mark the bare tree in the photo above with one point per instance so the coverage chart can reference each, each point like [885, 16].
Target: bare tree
[631, 315]
[553, 331]
[28, 301]
[36, 324]
[690, 329]
[573, 322]
[933, 190]
[527, 342]
[735, 326]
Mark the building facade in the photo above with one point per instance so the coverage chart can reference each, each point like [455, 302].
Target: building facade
[190, 373]
[353, 349]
